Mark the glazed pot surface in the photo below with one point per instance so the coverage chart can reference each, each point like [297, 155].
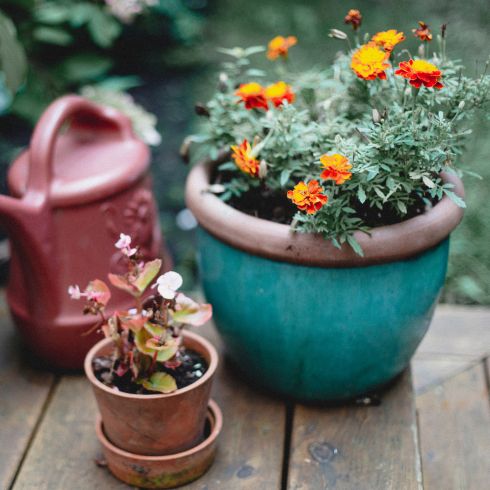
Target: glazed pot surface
[310, 321]
[156, 424]
[320, 334]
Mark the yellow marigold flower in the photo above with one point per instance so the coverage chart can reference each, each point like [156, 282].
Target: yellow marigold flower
[369, 62]
[423, 32]
[308, 197]
[336, 168]
[278, 92]
[388, 39]
[354, 18]
[279, 46]
[420, 72]
[252, 94]
[244, 159]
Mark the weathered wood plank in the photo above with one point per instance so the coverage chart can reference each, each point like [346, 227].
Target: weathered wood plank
[454, 421]
[461, 331]
[23, 393]
[251, 444]
[63, 451]
[429, 372]
[351, 447]
[250, 453]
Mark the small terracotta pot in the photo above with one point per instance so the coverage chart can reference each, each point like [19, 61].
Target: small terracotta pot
[163, 471]
[157, 424]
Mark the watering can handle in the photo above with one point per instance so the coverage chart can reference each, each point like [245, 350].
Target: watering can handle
[46, 132]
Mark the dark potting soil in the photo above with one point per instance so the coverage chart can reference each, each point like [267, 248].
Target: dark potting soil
[192, 368]
[266, 204]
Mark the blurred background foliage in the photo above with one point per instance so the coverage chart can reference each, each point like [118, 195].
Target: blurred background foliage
[166, 57]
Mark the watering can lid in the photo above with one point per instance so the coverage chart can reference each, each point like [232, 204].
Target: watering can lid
[95, 155]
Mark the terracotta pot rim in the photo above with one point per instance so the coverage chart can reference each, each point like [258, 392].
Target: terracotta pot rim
[213, 364]
[277, 242]
[214, 415]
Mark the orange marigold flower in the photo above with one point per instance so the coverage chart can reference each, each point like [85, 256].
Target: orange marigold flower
[279, 46]
[308, 197]
[388, 39]
[245, 159]
[353, 17]
[369, 62]
[423, 32]
[253, 95]
[420, 72]
[336, 168]
[278, 92]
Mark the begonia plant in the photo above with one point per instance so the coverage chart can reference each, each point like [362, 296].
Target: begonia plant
[362, 143]
[148, 342]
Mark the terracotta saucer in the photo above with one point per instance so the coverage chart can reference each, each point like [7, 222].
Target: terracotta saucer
[164, 471]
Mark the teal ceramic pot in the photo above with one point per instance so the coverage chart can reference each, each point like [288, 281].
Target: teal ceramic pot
[303, 319]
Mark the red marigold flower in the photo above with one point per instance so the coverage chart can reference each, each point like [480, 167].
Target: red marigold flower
[354, 18]
[420, 72]
[388, 39]
[336, 168]
[278, 92]
[245, 159]
[423, 32]
[369, 62]
[308, 197]
[279, 46]
[253, 95]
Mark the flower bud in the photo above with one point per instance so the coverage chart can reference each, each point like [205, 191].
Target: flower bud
[461, 105]
[223, 83]
[376, 116]
[262, 169]
[421, 51]
[443, 30]
[201, 110]
[337, 34]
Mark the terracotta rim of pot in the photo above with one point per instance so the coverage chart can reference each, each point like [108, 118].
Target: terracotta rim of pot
[277, 242]
[214, 413]
[212, 366]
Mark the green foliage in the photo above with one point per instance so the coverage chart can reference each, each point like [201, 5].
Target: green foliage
[70, 43]
[13, 63]
[397, 138]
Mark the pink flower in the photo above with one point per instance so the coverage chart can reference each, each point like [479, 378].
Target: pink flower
[124, 244]
[168, 283]
[96, 291]
[74, 292]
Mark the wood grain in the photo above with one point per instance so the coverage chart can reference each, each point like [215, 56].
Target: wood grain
[371, 447]
[251, 444]
[430, 372]
[454, 420]
[461, 331]
[250, 448]
[62, 454]
[24, 390]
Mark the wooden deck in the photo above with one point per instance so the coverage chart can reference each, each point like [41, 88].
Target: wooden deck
[430, 431]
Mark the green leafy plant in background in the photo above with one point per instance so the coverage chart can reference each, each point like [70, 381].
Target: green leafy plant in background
[13, 64]
[359, 144]
[72, 43]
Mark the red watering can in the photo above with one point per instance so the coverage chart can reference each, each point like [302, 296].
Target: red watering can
[83, 180]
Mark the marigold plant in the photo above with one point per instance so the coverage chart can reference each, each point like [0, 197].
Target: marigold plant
[346, 147]
[279, 47]
[369, 62]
